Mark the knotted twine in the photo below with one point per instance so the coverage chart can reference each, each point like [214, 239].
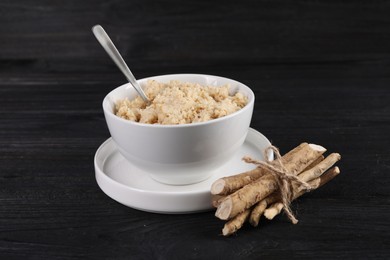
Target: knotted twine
[283, 177]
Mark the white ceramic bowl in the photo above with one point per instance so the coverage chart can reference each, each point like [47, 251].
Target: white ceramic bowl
[179, 154]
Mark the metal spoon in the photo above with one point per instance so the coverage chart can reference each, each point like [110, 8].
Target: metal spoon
[110, 48]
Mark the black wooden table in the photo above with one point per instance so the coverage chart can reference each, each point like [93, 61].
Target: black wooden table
[320, 71]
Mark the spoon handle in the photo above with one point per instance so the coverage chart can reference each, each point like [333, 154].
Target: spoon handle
[110, 48]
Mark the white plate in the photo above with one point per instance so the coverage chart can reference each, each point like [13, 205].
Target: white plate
[128, 185]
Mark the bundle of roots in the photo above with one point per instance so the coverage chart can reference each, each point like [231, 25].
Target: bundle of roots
[272, 185]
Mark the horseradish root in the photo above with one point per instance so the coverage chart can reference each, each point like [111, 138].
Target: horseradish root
[230, 184]
[235, 223]
[257, 190]
[260, 207]
[277, 207]
[271, 186]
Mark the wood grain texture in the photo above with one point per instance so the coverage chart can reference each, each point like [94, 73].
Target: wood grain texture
[320, 72]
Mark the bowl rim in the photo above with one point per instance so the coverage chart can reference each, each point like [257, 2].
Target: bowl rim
[213, 121]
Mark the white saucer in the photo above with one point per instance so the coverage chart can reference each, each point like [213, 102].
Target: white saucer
[128, 185]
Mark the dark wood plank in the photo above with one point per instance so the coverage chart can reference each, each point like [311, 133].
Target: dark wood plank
[154, 34]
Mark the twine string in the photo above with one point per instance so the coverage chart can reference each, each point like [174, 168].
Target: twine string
[283, 177]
